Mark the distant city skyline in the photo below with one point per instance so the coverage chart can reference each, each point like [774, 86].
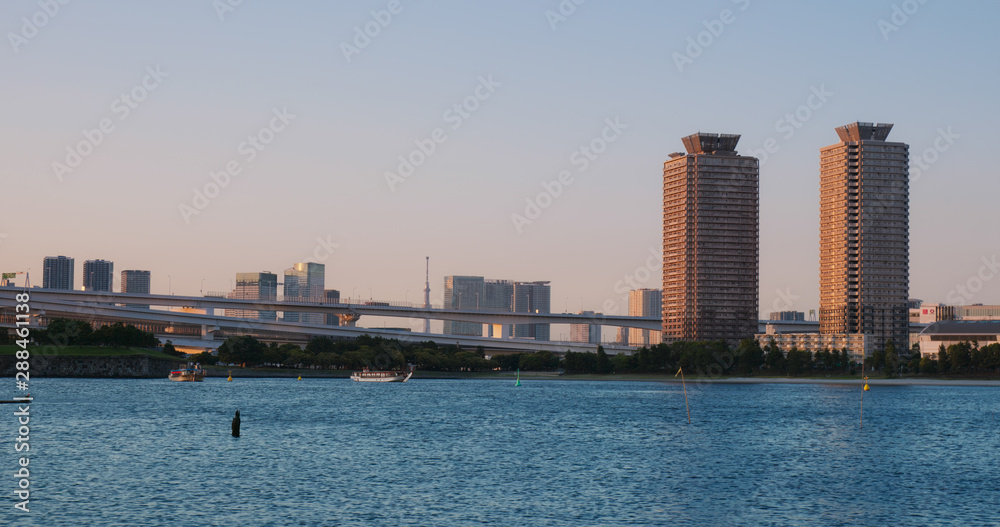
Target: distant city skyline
[566, 126]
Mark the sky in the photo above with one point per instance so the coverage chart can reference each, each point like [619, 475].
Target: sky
[198, 139]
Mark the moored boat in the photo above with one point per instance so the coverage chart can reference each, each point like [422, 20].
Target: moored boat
[188, 373]
[381, 376]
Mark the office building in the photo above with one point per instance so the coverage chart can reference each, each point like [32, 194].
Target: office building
[710, 241]
[864, 235]
[787, 316]
[856, 343]
[98, 275]
[305, 282]
[979, 333]
[644, 303]
[978, 312]
[585, 332]
[499, 296]
[57, 272]
[532, 297]
[255, 286]
[138, 282]
[465, 293]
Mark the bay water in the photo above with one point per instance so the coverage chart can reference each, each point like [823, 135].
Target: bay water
[484, 452]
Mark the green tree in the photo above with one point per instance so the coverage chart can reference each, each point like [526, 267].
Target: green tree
[750, 356]
[242, 350]
[204, 357]
[774, 359]
[928, 366]
[799, 361]
[877, 359]
[959, 356]
[318, 345]
[891, 359]
[574, 362]
[168, 348]
[298, 358]
[624, 363]
[944, 362]
[539, 361]
[603, 363]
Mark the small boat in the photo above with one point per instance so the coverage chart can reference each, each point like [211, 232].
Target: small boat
[381, 376]
[188, 373]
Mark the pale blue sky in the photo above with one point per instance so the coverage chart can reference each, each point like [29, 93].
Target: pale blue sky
[323, 175]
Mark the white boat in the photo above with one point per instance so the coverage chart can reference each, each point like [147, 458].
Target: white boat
[381, 376]
[188, 373]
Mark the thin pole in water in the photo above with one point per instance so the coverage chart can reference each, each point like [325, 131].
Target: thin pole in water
[680, 371]
[864, 384]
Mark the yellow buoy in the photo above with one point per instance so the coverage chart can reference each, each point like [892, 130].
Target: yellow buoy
[866, 387]
[866, 384]
[230, 379]
[300, 377]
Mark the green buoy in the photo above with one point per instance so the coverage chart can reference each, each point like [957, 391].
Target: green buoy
[518, 382]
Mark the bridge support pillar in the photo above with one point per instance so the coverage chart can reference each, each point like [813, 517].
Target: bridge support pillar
[349, 319]
[499, 331]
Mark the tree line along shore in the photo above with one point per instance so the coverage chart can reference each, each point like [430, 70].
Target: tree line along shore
[704, 359]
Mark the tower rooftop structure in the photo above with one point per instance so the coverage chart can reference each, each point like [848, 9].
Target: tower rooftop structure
[859, 131]
[704, 143]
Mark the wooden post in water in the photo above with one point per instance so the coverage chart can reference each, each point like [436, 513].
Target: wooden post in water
[680, 371]
[236, 424]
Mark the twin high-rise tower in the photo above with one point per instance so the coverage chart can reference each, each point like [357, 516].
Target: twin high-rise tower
[710, 238]
[864, 235]
[710, 233]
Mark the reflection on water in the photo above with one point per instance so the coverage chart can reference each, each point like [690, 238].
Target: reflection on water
[451, 452]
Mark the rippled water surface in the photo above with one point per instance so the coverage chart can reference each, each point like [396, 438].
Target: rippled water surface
[483, 452]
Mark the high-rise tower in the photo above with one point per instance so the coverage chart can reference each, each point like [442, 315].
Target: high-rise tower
[98, 275]
[305, 282]
[464, 293]
[57, 272]
[864, 235]
[136, 281]
[255, 286]
[644, 303]
[710, 241]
